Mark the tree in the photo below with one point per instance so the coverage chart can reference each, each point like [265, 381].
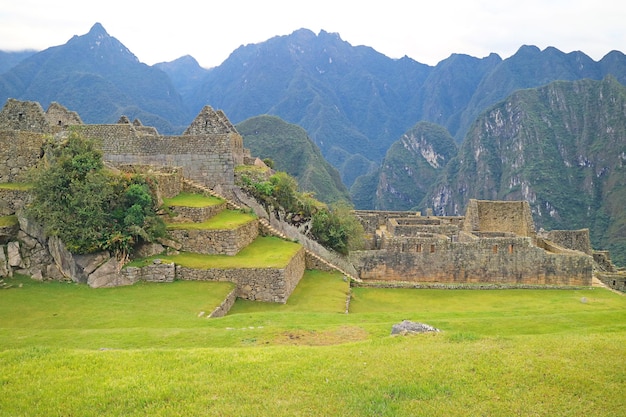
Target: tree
[88, 207]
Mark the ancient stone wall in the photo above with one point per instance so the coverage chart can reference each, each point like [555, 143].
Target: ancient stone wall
[225, 306]
[616, 281]
[11, 201]
[420, 225]
[23, 115]
[156, 272]
[571, 239]
[182, 214]
[208, 160]
[208, 151]
[373, 219]
[169, 180]
[499, 216]
[19, 152]
[425, 242]
[499, 260]
[315, 262]
[261, 284]
[60, 117]
[217, 242]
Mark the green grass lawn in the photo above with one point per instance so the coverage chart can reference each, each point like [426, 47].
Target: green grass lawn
[69, 350]
[224, 220]
[192, 200]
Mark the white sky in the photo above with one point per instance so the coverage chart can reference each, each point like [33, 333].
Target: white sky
[427, 31]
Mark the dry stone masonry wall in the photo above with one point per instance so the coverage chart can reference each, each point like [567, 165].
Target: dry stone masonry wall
[217, 242]
[494, 243]
[261, 284]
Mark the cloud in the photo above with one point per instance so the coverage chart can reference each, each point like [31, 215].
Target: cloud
[426, 31]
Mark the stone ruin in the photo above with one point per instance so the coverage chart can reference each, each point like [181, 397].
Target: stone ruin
[200, 160]
[494, 243]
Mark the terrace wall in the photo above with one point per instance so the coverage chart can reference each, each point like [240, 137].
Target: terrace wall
[11, 201]
[217, 242]
[195, 214]
[498, 260]
[261, 284]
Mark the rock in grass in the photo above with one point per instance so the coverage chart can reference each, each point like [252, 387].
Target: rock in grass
[409, 327]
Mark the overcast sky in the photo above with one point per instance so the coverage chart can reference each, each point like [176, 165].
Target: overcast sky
[427, 31]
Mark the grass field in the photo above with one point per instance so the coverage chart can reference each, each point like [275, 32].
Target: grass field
[147, 350]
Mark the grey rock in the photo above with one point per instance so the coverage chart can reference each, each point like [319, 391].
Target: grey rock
[65, 260]
[89, 263]
[108, 275]
[31, 227]
[5, 270]
[148, 249]
[409, 327]
[13, 254]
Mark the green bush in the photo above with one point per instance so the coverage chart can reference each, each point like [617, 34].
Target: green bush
[336, 228]
[88, 207]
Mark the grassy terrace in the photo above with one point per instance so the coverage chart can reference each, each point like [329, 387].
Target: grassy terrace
[145, 350]
[19, 186]
[264, 252]
[192, 200]
[226, 219]
[8, 220]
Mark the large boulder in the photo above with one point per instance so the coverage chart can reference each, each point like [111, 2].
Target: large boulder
[14, 256]
[64, 260]
[108, 275]
[31, 227]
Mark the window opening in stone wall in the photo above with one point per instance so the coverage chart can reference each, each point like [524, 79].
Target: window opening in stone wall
[432, 248]
[614, 282]
[495, 248]
[419, 248]
[511, 248]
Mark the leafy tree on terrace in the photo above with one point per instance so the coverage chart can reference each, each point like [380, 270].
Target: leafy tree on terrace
[88, 207]
[336, 227]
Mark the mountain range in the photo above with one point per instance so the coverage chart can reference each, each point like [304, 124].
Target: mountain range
[400, 134]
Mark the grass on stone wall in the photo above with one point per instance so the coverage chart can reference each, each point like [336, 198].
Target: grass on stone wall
[18, 186]
[224, 220]
[192, 200]
[10, 220]
[263, 252]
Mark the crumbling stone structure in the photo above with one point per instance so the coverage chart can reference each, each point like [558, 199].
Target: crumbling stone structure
[207, 152]
[495, 242]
